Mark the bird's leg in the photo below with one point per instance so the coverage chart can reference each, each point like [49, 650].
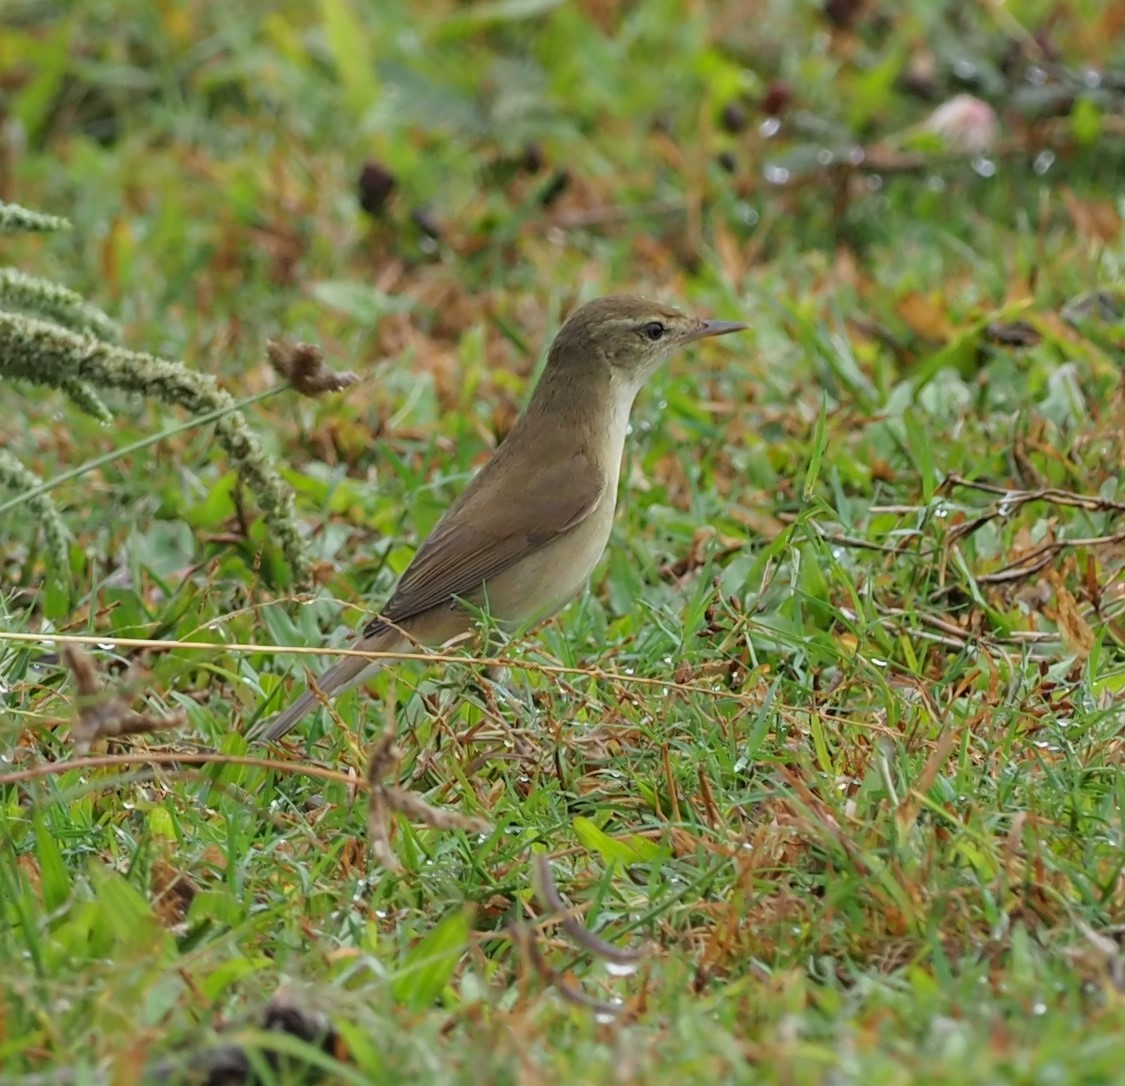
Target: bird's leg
[499, 678]
[510, 700]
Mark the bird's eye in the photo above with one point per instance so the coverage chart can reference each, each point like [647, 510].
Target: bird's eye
[653, 331]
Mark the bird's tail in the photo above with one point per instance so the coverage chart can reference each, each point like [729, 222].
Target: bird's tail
[341, 676]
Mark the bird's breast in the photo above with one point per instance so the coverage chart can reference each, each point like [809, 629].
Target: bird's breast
[548, 579]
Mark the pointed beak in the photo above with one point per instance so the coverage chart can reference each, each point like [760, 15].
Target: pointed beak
[714, 328]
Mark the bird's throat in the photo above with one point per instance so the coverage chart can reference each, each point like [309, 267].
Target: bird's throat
[588, 410]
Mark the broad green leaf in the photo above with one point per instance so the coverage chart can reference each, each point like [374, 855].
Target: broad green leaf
[1086, 121]
[230, 972]
[124, 911]
[919, 442]
[54, 879]
[57, 593]
[429, 966]
[164, 547]
[48, 61]
[358, 300]
[629, 849]
[350, 44]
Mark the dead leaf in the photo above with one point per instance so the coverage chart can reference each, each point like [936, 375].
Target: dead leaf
[926, 317]
[1076, 632]
[1096, 221]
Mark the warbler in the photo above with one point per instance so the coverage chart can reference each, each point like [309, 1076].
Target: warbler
[524, 536]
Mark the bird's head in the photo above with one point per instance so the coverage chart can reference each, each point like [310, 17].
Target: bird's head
[629, 336]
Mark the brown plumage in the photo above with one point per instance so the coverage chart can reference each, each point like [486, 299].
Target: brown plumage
[524, 536]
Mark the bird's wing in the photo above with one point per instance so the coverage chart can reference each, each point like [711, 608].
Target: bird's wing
[487, 531]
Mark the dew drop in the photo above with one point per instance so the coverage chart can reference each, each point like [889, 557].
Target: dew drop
[770, 126]
[620, 969]
[776, 175]
[985, 167]
[1043, 162]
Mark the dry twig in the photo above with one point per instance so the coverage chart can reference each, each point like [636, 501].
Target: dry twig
[550, 899]
[385, 800]
[523, 939]
[103, 715]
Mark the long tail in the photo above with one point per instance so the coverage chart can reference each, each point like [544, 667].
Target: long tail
[338, 678]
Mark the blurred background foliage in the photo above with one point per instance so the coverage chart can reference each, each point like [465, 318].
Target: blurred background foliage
[879, 839]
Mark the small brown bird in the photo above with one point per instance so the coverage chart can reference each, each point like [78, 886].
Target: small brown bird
[526, 533]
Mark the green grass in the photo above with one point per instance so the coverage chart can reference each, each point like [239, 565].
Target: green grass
[838, 736]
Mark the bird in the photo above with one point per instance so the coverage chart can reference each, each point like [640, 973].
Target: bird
[524, 536]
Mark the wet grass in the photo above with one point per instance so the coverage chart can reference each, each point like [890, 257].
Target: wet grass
[835, 738]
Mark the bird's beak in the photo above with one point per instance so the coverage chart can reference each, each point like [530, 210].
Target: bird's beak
[714, 328]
